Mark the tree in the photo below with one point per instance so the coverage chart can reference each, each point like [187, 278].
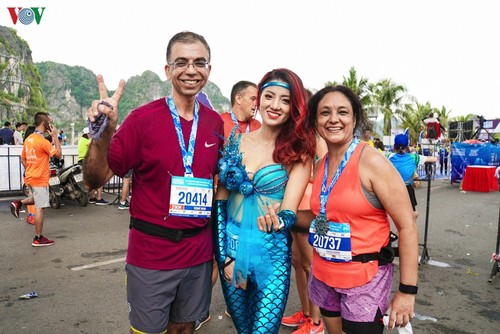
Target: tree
[443, 115]
[463, 118]
[388, 96]
[361, 87]
[410, 119]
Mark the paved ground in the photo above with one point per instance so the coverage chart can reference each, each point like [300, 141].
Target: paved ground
[80, 280]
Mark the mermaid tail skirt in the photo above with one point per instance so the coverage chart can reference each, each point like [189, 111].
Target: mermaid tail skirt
[259, 309]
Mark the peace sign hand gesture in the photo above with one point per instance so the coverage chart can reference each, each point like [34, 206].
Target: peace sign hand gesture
[104, 110]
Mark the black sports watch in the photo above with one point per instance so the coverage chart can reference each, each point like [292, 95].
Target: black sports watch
[409, 289]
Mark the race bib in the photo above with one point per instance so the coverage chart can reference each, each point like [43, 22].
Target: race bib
[335, 244]
[191, 197]
[232, 232]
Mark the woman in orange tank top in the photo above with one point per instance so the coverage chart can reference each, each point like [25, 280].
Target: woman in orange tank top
[354, 191]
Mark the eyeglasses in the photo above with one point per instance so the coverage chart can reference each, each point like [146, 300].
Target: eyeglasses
[184, 64]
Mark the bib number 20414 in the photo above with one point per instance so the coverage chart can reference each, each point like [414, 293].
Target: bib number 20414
[189, 198]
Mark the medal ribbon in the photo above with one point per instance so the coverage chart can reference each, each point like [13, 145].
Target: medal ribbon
[235, 120]
[325, 192]
[187, 154]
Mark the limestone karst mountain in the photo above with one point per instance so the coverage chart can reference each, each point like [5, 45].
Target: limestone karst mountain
[67, 91]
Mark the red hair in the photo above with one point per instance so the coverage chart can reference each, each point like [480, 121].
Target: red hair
[296, 140]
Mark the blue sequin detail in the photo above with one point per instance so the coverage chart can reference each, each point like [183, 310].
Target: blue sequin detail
[233, 175]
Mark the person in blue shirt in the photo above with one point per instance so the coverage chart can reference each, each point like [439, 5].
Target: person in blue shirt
[444, 151]
[6, 134]
[406, 164]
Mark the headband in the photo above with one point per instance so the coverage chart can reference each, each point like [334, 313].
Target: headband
[275, 83]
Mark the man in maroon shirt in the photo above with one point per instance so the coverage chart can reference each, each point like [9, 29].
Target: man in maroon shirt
[172, 145]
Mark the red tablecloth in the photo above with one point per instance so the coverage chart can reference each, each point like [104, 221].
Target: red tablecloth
[480, 178]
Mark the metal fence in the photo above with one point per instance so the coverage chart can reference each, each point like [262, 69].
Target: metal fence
[12, 171]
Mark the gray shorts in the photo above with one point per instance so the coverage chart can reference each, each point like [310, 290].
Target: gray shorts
[41, 196]
[129, 174]
[156, 297]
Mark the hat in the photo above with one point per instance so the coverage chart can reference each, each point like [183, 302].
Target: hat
[401, 140]
[85, 130]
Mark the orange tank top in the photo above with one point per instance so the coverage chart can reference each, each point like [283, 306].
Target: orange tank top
[370, 226]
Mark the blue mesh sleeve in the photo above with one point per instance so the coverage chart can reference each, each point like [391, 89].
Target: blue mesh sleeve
[286, 218]
[219, 225]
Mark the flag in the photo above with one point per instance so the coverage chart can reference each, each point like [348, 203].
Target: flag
[203, 98]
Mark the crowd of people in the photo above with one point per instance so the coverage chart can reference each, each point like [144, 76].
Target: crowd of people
[42, 145]
[9, 136]
[227, 195]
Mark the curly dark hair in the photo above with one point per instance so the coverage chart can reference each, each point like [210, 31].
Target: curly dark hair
[357, 108]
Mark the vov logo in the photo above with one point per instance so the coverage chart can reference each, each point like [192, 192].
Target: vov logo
[26, 15]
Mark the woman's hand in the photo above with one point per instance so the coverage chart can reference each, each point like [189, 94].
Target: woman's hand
[270, 221]
[228, 270]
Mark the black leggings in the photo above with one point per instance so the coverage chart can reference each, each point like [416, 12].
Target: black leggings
[443, 164]
[352, 327]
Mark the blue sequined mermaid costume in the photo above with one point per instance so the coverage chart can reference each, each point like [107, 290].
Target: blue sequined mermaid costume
[263, 260]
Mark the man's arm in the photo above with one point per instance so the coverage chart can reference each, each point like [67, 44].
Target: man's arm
[55, 141]
[96, 171]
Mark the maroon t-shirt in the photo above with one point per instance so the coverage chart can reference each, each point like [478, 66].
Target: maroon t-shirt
[147, 142]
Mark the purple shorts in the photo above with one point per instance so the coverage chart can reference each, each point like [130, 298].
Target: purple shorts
[359, 304]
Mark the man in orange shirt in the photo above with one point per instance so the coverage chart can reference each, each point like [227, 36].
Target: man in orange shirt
[35, 158]
[243, 98]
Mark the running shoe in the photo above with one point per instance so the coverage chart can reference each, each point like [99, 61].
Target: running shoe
[199, 323]
[41, 241]
[123, 206]
[295, 320]
[310, 328]
[92, 200]
[101, 201]
[15, 207]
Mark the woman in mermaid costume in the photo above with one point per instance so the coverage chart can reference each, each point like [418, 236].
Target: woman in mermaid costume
[262, 178]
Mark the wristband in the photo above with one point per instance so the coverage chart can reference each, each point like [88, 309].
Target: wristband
[409, 289]
[286, 219]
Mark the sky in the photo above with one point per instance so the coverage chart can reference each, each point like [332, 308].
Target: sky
[444, 52]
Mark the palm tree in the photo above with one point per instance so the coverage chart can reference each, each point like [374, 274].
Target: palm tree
[443, 115]
[410, 118]
[388, 96]
[463, 118]
[361, 87]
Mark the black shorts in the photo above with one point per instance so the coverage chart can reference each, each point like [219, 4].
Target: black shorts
[411, 193]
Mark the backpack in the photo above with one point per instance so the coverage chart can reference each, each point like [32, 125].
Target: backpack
[431, 130]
